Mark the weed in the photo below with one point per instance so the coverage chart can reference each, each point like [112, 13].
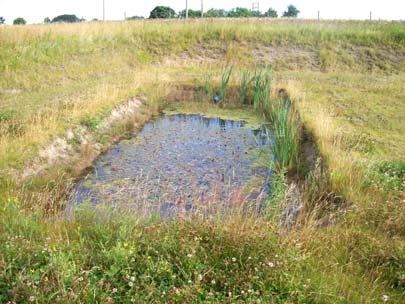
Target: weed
[7, 115]
[388, 176]
[90, 122]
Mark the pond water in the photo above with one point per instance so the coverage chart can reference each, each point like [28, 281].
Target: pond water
[181, 163]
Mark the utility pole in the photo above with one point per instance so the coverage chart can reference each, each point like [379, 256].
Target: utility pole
[371, 15]
[186, 9]
[256, 6]
[202, 8]
[103, 10]
[319, 16]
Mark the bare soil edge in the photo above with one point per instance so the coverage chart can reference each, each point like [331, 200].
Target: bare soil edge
[80, 146]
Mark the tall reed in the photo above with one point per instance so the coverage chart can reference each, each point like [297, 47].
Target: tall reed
[244, 86]
[285, 128]
[226, 75]
[262, 85]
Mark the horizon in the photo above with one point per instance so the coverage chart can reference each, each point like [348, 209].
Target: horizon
[35, 13]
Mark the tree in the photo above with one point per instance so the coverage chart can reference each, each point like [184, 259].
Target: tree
[47, 20]
[66, 18]
[212, 13]
[240, 12]
[19, 21]
[292, 11]
[2, 20]
[271, 13]
[191, 13]
[135, 18]
[162, 12]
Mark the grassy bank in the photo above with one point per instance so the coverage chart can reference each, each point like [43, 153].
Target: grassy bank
[345, 80]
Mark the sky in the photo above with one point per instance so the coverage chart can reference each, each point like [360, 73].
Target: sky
[34, 11]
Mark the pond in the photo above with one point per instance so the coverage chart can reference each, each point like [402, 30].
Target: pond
[180, 164]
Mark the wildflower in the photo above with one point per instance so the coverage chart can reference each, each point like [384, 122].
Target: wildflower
[189, 255]
[249, 258]
[189, 282]
[213, 282]
[125, 245]
[200, 277]
[234, 260]
[271, 265]
[114, 290]
[32, 299]
[385, 298]
[131, 284]
[133, 279]
[80, 279]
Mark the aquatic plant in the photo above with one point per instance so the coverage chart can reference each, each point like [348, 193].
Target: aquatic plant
[208, 90]
[244, 86]
[262, 85]
[285, 128]
[226, 75]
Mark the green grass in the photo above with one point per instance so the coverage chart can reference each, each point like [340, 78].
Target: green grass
[345, 80]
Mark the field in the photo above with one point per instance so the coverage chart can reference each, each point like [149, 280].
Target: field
[345, 80]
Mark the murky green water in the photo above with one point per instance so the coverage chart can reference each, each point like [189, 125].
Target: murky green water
[180, 163]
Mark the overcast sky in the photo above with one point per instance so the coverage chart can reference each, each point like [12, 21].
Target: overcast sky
[35, 11]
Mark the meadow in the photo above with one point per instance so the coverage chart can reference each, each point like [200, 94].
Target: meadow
[333, 92]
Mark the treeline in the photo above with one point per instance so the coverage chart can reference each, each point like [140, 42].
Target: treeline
[238, 12]
[165, 12]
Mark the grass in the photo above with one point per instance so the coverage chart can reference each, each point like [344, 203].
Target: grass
[345, 80]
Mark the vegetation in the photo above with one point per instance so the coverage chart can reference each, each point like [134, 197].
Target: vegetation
[242, 12]
[226, 75]
[271, 13]
[162, 12]
[47, 20]
[191, 13]
[342, 82]
[66, 18]
[134, 18]
[2, 20]
[292, 11]
[19, 21]
[215, 13]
